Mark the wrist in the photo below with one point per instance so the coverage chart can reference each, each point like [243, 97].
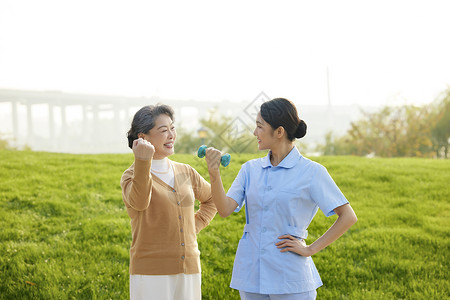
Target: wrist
[142, 158]
[312, 249]
[214, 174]
[214, 171]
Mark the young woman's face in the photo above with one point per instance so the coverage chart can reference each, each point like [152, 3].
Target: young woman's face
[162, 136]
[264, 133]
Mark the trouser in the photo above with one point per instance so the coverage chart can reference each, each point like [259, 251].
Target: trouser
[166, 287]
[310, 295]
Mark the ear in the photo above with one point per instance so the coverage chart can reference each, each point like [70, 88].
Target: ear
[280, 131]
[141, 136]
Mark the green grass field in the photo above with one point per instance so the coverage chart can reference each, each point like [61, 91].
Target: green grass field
[65, 233]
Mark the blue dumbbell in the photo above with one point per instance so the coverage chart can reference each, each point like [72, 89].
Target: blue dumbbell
[224, 160]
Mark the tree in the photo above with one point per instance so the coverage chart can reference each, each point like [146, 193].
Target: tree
[187, 142]
[441, 129]
[224, 133]
[390, 132]
[230, 135]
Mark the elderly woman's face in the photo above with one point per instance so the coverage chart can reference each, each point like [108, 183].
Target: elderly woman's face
[162, 136]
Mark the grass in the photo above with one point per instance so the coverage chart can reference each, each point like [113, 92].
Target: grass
[65, 233]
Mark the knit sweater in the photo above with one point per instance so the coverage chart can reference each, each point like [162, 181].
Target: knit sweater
[164, 225]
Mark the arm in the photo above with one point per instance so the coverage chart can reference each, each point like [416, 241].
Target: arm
[207, 210]
[346, 218]
[137, 183]
[225, 205]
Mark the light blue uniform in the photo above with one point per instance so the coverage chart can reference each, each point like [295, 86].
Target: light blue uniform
[279, 200]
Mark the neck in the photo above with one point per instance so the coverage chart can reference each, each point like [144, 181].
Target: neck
[160, 158]
[280, 151]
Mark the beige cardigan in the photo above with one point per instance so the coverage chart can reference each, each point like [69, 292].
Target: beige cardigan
[164, 225]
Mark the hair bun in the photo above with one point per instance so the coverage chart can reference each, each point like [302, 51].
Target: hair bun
[301, 130]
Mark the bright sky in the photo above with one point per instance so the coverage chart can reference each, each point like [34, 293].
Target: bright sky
[377, 52]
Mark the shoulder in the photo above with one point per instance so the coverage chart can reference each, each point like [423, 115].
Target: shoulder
[319, 173]
[186, 172]
[251, 167]
[311, 166]
[248, 166]
[130, 169]
[128, 173]
[182, 168]
[310, 163]
[179, 165]
[256, 162]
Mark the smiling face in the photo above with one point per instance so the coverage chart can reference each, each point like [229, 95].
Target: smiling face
[264, 133]
[162, 136]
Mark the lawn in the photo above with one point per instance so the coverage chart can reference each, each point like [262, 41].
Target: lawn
[65, 233]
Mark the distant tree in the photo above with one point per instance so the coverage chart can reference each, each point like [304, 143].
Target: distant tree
[337, 145]
[187, 142]
[394, 132]
[223, 133]
[229, 134]
[441, 129]
[390, 132]
[5, 144]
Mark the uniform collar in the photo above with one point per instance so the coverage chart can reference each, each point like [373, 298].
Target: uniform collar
[288, 162]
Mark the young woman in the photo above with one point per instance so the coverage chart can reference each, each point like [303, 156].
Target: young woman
[159, 195]
[281, 192]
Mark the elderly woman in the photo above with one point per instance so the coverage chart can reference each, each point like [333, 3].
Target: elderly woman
[159, 195]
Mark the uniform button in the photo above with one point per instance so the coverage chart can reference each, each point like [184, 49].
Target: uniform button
[263, 251]
[266, 208]
[182, 244]
[181, 230]
[269, 188]
[178, 202]
[182, 257]
[179, 217]
[264, 229]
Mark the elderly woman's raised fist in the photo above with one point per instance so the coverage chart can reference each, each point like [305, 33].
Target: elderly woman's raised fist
[143, 149]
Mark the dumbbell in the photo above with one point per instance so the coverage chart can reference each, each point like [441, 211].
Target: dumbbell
[224, 160]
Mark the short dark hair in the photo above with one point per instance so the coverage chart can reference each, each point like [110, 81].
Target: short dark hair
[282, 112]
[144, 120]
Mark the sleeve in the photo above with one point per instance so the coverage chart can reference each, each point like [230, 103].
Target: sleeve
[136, 183]
[207, 209]
[237, 189]
[325, 193]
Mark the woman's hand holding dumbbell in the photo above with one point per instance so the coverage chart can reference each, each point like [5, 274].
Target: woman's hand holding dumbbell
[213, 157]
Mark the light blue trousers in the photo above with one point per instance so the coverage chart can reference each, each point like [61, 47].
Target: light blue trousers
[311, 295]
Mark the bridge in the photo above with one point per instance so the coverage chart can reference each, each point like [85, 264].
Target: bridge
[100, 117]
[82, 123]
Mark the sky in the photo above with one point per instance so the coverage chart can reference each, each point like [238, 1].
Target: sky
[372, 52]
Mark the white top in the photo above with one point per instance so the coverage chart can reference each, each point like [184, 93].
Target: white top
[162, 168]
